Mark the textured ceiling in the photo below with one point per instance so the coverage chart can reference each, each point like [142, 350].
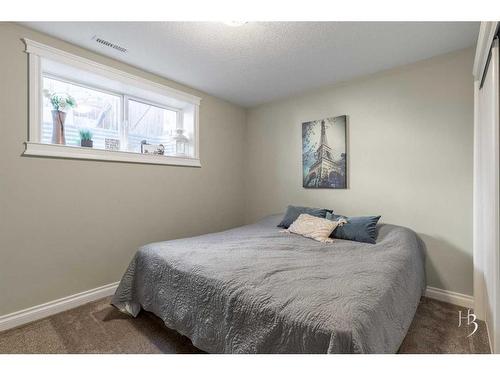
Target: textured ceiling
[262, 61]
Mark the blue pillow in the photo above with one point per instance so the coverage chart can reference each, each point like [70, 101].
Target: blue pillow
[360, 229]
[293, 212]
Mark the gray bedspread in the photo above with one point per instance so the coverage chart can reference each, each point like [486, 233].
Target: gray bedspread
[254, 289]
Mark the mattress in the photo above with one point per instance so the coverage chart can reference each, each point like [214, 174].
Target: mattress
[255, 289]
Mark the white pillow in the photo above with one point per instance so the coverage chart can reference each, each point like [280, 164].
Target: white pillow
[317, 228]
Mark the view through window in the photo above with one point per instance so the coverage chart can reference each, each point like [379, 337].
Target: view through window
[112, 121]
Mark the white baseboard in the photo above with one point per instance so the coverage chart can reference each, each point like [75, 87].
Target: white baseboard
[50, 308]
[53, 307]
[455, 298]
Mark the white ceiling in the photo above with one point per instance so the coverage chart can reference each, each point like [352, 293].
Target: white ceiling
[262, 61]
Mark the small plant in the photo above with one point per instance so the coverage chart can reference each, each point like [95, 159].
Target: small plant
[86, 138]
[60, 101]
[85, 135]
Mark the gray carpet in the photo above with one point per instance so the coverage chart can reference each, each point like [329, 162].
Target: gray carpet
[99, 328]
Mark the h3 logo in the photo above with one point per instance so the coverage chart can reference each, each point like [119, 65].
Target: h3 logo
[471, 320]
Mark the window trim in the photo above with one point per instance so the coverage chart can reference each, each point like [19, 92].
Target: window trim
[85, 153]
[34, 147]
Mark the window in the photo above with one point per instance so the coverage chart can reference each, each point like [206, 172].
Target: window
[96, 111]
[155, 124]
[81, 109]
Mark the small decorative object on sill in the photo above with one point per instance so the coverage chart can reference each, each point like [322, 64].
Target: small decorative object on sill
[112, 144]
[181, 143]
[147, 148]
[61, 103]
[86, 138]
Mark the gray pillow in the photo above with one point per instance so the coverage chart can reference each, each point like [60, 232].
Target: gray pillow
[360, 229]
[293, 212]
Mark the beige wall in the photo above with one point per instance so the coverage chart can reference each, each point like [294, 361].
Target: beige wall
[410, 145]
[67, 226]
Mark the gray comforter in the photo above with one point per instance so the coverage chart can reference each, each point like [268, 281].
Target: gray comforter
[254, 289]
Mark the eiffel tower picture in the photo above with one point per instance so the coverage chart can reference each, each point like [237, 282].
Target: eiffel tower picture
[324, 153]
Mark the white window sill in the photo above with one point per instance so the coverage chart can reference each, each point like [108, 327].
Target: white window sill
[74, 152]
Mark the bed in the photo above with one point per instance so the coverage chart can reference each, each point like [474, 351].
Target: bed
[255, 289]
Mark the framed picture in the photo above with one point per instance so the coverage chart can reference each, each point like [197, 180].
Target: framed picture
[112, 144]
[324, 153]
[152, 149]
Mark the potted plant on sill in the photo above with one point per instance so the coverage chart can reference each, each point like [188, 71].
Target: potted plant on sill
[86, 138]
[61, 103]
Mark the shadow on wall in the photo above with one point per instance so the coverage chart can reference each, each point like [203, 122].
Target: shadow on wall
[439, 251]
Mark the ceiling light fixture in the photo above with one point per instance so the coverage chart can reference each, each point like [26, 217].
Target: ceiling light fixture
[234, 23]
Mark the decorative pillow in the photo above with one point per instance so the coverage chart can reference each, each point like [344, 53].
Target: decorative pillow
[360, 229]
[293, 212]
[317, 228]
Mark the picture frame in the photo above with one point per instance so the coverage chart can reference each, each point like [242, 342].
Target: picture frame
[324, 153]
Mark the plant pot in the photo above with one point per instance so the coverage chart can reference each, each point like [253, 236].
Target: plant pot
[87, 143]
[58, 119]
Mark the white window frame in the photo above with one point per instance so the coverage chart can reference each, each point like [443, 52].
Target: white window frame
[34, 147]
